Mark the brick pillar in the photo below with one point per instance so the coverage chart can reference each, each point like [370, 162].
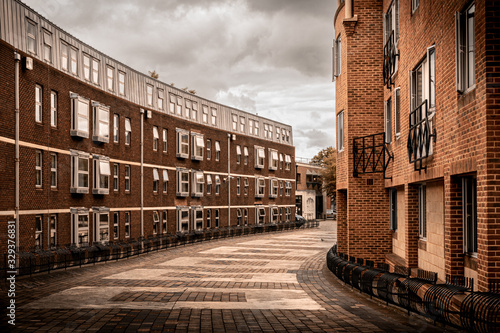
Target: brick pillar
[411, 236]
[342, 221]
[453, 226]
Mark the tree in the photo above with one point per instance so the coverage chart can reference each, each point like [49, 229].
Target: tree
[327, 158]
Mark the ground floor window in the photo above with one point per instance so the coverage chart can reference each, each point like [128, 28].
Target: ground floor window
[393, 198]
[80, 226]
[38, 231]
[469, 209]
[53, 230]
[422, 221]
[101, 224]
[182, 219]
[127, 224]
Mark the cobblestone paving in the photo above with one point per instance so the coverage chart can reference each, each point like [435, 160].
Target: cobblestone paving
[260, 283]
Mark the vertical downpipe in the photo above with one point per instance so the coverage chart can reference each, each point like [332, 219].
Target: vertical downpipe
[229, 180]
[17, 58]
[142, 172]
[348, 9]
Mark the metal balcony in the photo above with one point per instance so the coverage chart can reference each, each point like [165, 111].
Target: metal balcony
[371, 155]
[419, 137]
[390, 58]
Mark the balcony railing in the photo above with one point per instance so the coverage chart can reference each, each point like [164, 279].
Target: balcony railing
[371, 154]
[390, 59]
[419, 137]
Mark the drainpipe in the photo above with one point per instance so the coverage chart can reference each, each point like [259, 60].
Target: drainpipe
[142, 172]
[348, 9]
[229, 180]
[17, 58]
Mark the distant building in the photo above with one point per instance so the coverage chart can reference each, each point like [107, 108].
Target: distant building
[311, 200]
[108, 154]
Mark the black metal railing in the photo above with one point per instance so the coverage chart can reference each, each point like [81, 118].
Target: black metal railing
[419, 137]
[371, 154]
[390, 60]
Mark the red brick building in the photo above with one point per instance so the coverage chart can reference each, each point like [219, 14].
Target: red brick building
[311, 200]
[418, 134]
[107, 153]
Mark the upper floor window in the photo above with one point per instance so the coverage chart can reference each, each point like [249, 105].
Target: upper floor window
[235, 121]
[260, 216]
[127, 178]
[38, 168]
[209, 184]
[391, 38]
[246, 184]
[274, 214]
[31, 35]
[194, 111]
[165, 140]
[110, 78]
[260, 157]
[260, 187]
[238, 185]
[209, 149]
[47, 46]
[182, 182]
[156, 138]
[217, 150]
[388, 121]
[273, 159]
[53, 170]
[250, 126]
[116, 127]
[288, 162]
[161, 95]
[165, 180]
[91, 69]
[38, 103]
[256, 129]
[182, 143]
[273, 187]
[288, 188]
[422, 82]
[121, 83]
[340, 131]
[414, 5]
[128, 131]
[53, 108]
[156, 222]
[69, 58]
[156, 180]
[101, 122]
[79, 116]
[397, 112]
[217, 184]
[245, 155]
[95, 71]
[198, 146]
[102, 172]
[205, 114]
[79, 172]
[391, 23]
[187, 108]
[465, 52]
[214, 116]
[238, 154]
[242, 124]
[116, 181]
[336, 57]
[198, 183]
[149, 94]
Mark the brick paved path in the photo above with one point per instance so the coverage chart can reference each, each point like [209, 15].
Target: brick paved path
[263, 283]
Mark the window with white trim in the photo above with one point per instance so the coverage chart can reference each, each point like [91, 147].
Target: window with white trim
[260, 157]
[245, 155]
[209, 149]
[422, 215]
[274, 213]
[172, 102]
[101, 224]
[246, 185]
[217, 218]
[217, 184]
[340, 131]
[53, 108]
[187, 108]
[197, 212]
[214, 116]
[116, 178]
[102, 172]
[273, 159]
[121, 83]
[194, 111]
[238, 154]
[337, 56]
[198, 147]
[74, 60]
[86, 67]
[239, 217]
[38, 103]
[80, 226]
[283, 134]
[116, 128]
[79, 116]
[161, 97]
[156, 222]
[397, 112]
[250, 126]
[101, 122]
[182, 182]
[164, 222]
[209, 218]
[53, 170]
[278, 133]
[149, 94]
[238, 185]
[165, 180]
[260, 187]
[469, 211]
[182, 143]
[53, 230]
[245, 216]
[198, 183]
[182, 219]
[266, 130]
[256, 129]
[260, 215]
[110, 78]
[235, 121]
[128, 131]
[79, 172]
[288, 162]
[288, 214]
[31, 36]
[156, 180]
[205, 114]
[388, 121]
[282, 184]
[281, 161]
[38, 231]
[156, 138]
[422, 82]
[465, 48]
[127, 178]
[165, 140]
[209, 184]
[391, 35]
[217, 151]
[242, 124]
[116, 225]
[38, 168]
[273, 188]
[178, 108]
[127, 224]
[95, 71]
[288, 188]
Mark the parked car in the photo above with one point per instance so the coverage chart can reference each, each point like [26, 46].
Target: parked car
[299, 221]
[331, 214]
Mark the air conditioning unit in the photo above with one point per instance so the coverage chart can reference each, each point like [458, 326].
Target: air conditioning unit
[29, 63]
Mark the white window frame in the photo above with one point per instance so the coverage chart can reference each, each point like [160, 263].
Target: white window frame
[156, 180]
[388, 121]
[245, 155]
[209, 217]
[393, 208]
[217, 217]
[217, 151]
[101, 122]
[73, 51]
[465, 49]
[160, 99]
[260, 157]
[217, 185]
[128, 131]
[197, 217]
[121, 83]
[288, 214]
[86, 66]
[194, 111]
[182, 219]
[242, 124]
[165, 180]
[274, 214]
[102, 173]
[172, 102]
[80, 117]
[198, 183]
[288, 162]
[149, 94]
[198, 146]
[245, 216]
[182, 182]
[260, 187]
[205, 113]
[178, 108]
[156, 138]
[209, 149]
[273, 159]
[340, 131]
[260, 215]
[239, 217]
[110, 78]
[209, 184]
[127, 224]
[273, 188]
[214, 116]
[38, 103]
[31, 36]
[53, 230]
[397, 112]
[116, 225]
[164, 222]
[76, 187]
[246, 185]
[116, 179]
[288, 188]
[156, 222]
[80, 229]
[53, 108]
[235, 121]
[53, 170]
[182, 143]
[238, 185]
[39, 168]
[116, 128]
[127, 174]
[256, 128]
[95, 70]
[165, 140]
[238, 154]
[101, 229]
[414, 5]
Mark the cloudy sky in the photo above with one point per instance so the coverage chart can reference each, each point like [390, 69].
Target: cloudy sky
[271, 57]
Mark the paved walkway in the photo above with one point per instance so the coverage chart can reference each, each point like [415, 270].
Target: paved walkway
[261, 283]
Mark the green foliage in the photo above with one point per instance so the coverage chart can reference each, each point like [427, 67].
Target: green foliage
[327, 158]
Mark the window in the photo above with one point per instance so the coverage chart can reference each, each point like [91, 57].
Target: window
[121, 83]
[53, 170]
[288, 162]
[217, 218]
[422, 222]
[288, 214]
[79, 116]
[116, 181]
[156, 180]
[205, 114]
[247, 185]
[38, 168]
[422, 82]
[80, 172]
[209, 149]
[388, 121]
[469, 209]
[340, 131]
[217, 151]
[194, 111]
[235, 121]
[178, 108]
[101, 224]
[95, 71]
[274, 213]
[209, 184]
[127, 224]
[260, 185]
[393, 200]
[31, 30]
[266, 130]
[260, 215]
[278, 134]
[245, 216]
[256, 131]
[53, 108]
[187, 109]
[38, 103]
[182, 182]
[47, 46]
[156, 138]
[74, 60]
[53, 230]
[198, 146]
[102, 172]
[242, 124]
[161, 95]
[245, 155]
[164, 222]
[391, 31]
[238, 154]
[165, 180]
[79, 226]
[217, 184]
[288, 188]
[238, 185]
[273, 188]
[127, 178]
[91, 69]
[101, 122]
[414, 5]
[165, 142]
[128, 131]
[336, 51]
[182, 143]
[281, 188]
[197, 217]
[209, 218]
[260, 157]
[283, 134]
[156, 222]
[273, 159]
[198, 183]
[116, 127]
[465, 48]
[239, 217]
[86, 67]
[172, 103]
[182, 219]
[110, 82]
[38, 231]
[397, 111]
[214, 116]
[149, 94]
[116, 225]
